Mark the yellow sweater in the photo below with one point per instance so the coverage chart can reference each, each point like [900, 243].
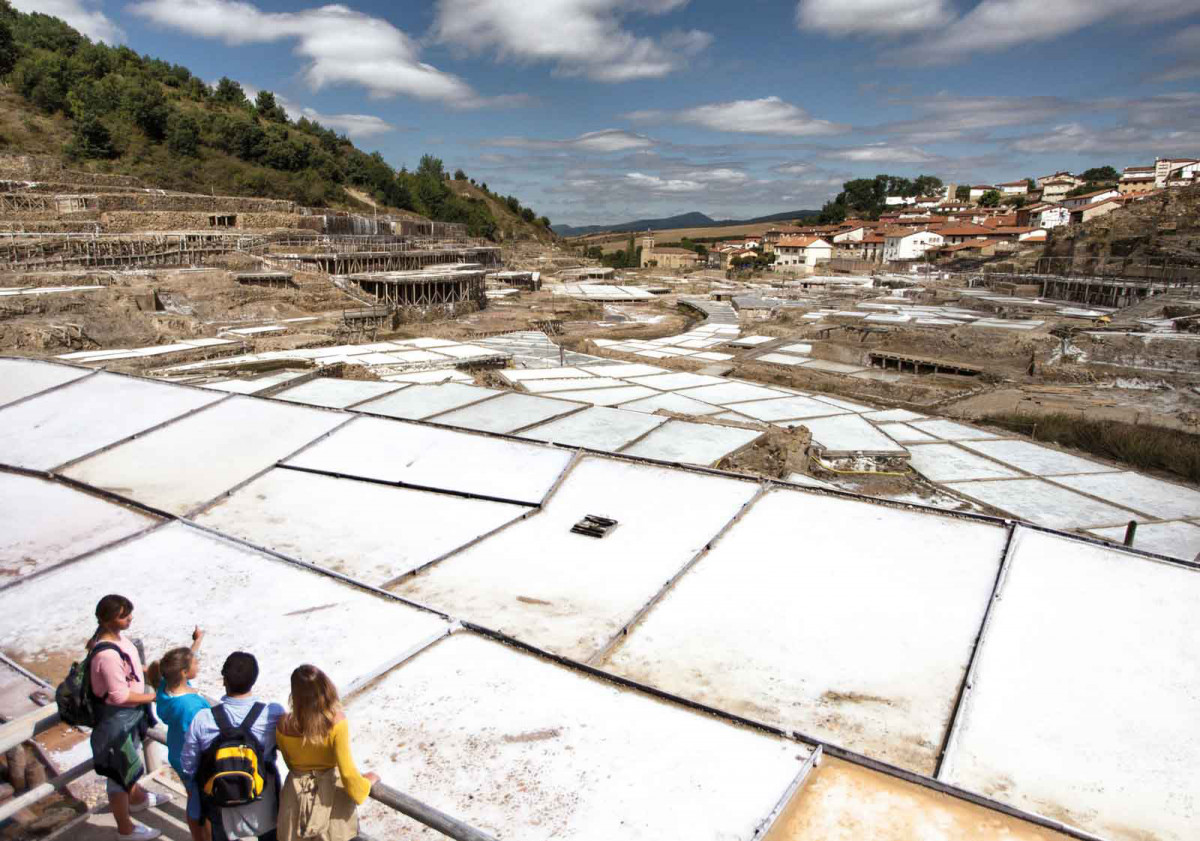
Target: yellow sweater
[302, 757]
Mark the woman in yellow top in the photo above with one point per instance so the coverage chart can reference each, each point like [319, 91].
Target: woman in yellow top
[323, 788]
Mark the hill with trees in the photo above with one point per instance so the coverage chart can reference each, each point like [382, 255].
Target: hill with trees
[693, 219]
[109, 109]
[864, 198]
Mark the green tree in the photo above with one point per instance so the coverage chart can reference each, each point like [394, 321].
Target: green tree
[528, 215]
[544, 222]
[268, 108]
[8, 49]
[990, 199]
[143, 102]
[91, 138]
[459, 175]
[229, 92]
[962, 194]
[1100, 175]
[927, 185]
[183, 135]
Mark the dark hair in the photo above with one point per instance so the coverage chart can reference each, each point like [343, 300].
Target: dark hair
[240, 672]
[112, 607]
[109, 608]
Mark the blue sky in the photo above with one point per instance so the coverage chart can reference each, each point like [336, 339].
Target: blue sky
[595, 111]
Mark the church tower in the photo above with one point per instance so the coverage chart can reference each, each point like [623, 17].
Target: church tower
[647, 247]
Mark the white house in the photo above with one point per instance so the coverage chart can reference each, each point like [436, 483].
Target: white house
[1014, 188]
[1044, 216]
[895, 201]
[1090, 198]
[854, 234]
[978, 191]
[1056, 189]
[802, 252]
[1176, 172]
[909, 243]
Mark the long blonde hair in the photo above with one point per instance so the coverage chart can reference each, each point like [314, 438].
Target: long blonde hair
[315, 704]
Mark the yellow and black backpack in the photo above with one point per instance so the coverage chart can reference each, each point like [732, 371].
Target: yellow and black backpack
[232, 769]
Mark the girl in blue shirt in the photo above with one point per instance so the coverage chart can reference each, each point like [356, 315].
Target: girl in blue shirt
[177, 703]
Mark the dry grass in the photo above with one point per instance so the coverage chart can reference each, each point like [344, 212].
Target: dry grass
[1144, 447]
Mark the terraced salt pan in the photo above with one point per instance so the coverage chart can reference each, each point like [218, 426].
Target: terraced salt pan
[801, 348]
[902, 433]
[951, 431]
[672, 403]
[623, 369]
[783, 654]
[566, 384]
[1083, 705]
[787, 408]
[692, 443]
[52, 429]
[782, 359]
[423, 401]
[508, 412]
[255, 385]
[1164, 500]
[1038, 501]
[20, 378]
[1178, 540]
[178, 577]
[597, 428]
[849, 434]
[845, 802]
[521, 375]
[833, 367]
[730, 392]
[43, 523]
[751, 341]
[344, 525]
[437, 375]
[948, 463]
[608, 396]
[893, 415]
[1038, 460]
[843, 404]
[445, 459]
[195, 459]
[336, 394]
[569, 593]
[525, 749]
[678, 380]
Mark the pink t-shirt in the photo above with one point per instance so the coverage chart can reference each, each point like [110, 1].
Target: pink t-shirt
[112, 678]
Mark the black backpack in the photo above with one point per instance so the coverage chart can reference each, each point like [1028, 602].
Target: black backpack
[77, 704]
[232, 769]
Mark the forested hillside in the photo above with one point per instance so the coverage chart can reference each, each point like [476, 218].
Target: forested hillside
[111, 110]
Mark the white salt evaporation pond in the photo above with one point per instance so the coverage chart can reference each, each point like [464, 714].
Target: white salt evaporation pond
[522, 748]
[24, 377]
[759, 626]
[43, 523]
[440, 459]
[347, 525]
[1084, 702]
[49, 430]
[570, 593]
[186, 464]
[178, 577]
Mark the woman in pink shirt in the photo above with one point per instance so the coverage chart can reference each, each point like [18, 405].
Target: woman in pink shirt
[117, 680]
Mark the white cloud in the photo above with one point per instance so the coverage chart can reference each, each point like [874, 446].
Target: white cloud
[582, 37]
[662, 185]
[1186, 42]
[770, 115]
[341, 45]
[1077, 138]
[795, 168]
[84, 15]
[997, 25]
[872, 17]
[882, 152]
[352, 125]
[606, 140]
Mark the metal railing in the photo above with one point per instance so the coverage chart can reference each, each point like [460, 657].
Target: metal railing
[22, 729]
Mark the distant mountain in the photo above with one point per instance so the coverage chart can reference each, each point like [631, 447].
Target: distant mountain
[683, 220]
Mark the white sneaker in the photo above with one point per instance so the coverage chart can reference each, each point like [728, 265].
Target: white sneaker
[141, 832]
[152, 800]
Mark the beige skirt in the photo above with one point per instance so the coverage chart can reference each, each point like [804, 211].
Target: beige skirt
[315, 806]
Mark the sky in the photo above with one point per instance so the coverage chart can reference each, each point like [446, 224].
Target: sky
[605, 111]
